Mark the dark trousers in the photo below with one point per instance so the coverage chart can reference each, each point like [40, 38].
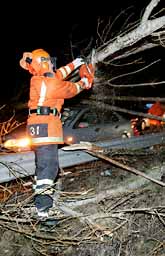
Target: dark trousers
[47, 168]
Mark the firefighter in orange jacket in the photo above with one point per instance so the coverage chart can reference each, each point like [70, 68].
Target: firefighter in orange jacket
[141, 124]
[48, 89]
[157, 109]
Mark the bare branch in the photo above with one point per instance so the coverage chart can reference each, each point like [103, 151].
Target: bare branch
[101, 105]
[3, 106]
[9, 125]
[130, 38]
[135, 85]
[127, 98]
[148, 10]
[95, 151]
[136, 50]
[145, 28]
[134, 72]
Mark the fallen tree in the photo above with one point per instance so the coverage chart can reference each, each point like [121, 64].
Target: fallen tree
[143, 29]
[18, 165]
[99, 152]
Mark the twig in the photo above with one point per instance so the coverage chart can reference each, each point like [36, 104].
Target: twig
[127, 168]
[131, 73]
[127, 98]
[2, 106]
[160, 217]
[145, 28]
[150, 210]
[94, 150]
[85, 219]
[101, 105]
[17, 220]
[156, 249]
[64, 240]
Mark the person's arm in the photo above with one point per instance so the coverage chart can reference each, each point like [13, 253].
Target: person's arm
[65, 71]
[67, 89]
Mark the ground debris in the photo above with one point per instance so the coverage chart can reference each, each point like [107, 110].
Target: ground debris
[118, 214]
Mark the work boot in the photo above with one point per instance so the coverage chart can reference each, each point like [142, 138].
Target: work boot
[43, 203]
[46, 221]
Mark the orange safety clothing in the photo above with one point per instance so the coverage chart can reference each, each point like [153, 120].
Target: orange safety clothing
[138, 124]
[156, 109]
[50, 90]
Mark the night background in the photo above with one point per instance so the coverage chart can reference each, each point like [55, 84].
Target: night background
[107, 206]
[66, 36]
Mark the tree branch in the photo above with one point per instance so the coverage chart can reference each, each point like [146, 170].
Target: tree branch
[145, 28]
[127, 98]
[148, 10]
[101, 105]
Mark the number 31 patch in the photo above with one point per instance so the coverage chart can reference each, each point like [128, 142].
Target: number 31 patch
[37, 130]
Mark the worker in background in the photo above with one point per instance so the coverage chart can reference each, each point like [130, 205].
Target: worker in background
[139, 125]
[157, 109]
[48, 89]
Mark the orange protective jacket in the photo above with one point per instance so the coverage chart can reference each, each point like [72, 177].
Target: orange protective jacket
[50, 92]
[156, 109]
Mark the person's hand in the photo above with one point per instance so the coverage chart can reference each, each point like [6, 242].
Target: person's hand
[86, 84]
[78, 62]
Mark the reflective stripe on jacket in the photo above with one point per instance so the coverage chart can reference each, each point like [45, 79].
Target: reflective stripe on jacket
[50, 91]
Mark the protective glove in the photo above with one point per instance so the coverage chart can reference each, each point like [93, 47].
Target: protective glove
[78, 62]
[87, 70]
[86, 84]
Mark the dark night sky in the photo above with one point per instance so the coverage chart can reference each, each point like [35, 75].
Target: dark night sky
[52, 30]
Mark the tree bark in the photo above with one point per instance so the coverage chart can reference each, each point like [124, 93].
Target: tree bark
[145, 28]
